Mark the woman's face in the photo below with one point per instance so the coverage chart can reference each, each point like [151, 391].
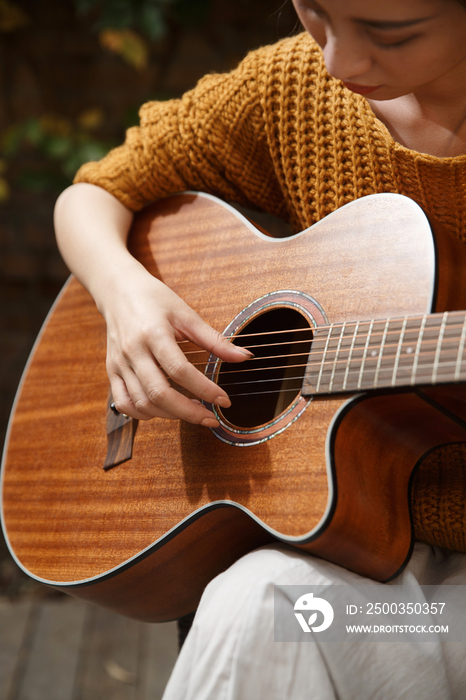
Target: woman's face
[388, 48]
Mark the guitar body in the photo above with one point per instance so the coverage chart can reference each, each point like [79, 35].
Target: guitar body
[328, 475]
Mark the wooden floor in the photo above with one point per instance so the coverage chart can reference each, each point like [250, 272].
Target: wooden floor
[63, 649]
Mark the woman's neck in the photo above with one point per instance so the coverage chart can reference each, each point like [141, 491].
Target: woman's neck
[431, 121]
[424, 132]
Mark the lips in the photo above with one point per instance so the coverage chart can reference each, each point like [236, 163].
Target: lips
[361, 89]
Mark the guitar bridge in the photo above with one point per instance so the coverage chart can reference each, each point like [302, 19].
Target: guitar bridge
[121, 430]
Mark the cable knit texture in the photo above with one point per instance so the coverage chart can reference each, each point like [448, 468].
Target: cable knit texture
[279, 134]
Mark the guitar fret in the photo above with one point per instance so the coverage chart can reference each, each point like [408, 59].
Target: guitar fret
[398, 352]
[439, 348]
[459, 358]
[447, 354]
[364, 357]
[319, 379]
[406, 355]
[418, 350]
[382, 345]
[337, 354]
[350, 354]
[372, 354]
[453, 348]
[315, 360]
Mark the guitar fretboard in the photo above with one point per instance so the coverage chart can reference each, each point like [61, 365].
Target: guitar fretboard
[401, 352]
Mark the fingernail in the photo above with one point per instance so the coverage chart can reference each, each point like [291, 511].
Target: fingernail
[243, 351]
[223, 401]
[209, 423]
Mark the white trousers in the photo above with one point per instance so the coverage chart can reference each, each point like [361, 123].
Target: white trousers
[230, 652]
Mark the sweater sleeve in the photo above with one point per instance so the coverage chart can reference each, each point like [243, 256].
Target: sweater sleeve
[213, 140]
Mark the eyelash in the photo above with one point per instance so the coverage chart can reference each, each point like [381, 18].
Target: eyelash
[394, 45]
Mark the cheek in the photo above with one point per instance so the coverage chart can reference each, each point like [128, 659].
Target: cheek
[428, 65]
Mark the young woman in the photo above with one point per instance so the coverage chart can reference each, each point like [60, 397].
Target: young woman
[371, 98]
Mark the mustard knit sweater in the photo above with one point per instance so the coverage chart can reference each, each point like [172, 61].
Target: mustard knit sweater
[279, 134]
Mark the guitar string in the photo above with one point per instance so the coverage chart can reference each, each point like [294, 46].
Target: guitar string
[352, 373]
[361, 336]
[352, 324]
[427, 368]
[325, 332]
[340, 373]
[297, 389]
[314, 362]
[300, 378]
[330, 362]
[262, 345]
[321, 330]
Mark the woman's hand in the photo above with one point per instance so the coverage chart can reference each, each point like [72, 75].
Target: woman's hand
[145, 319]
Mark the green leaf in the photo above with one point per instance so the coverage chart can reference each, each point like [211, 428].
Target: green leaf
[33, 131]
[57, 146]
[93, 151]
[83, 154]
[151, 22]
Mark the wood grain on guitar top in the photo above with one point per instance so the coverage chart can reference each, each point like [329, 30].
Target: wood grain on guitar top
[67, 520]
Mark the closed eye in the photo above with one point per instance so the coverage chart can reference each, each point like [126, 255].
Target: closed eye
[394, 44]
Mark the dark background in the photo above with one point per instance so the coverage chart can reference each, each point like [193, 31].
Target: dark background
[72, 76]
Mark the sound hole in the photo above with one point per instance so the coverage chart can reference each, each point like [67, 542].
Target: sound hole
[263, 387]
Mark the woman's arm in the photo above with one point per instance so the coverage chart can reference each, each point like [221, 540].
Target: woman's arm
[145, 319]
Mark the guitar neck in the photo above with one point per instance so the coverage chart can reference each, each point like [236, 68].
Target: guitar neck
[381, 354]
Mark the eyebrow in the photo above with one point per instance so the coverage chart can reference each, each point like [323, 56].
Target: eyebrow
[384, 24]
[388, 24]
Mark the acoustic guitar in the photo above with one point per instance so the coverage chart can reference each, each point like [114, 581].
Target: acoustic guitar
[359, 348]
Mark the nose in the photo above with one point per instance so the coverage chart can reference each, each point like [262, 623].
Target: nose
[346, 57]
